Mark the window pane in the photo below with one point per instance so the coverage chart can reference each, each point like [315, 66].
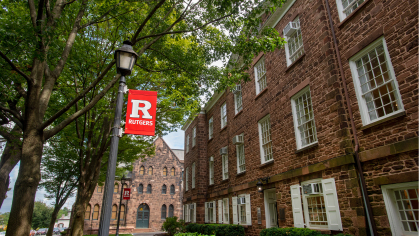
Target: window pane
[295, 43]
[407, 204]
[305, 119]
[260, 75]
[266, 139]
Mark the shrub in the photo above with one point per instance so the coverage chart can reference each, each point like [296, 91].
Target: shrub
[290, 232]
[216, 229]
[173, 226]
[191, 234]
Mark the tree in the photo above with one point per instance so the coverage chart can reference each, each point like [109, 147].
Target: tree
[43, 42]
[59, 177]
[41, 215]
[4, 218]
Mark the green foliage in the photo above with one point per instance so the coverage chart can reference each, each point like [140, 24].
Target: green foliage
[342, 234]
[63, 212]
[172, 226]
[292, 232]
[41, 215]
[191, 234]
[216, 229]
[4, 218]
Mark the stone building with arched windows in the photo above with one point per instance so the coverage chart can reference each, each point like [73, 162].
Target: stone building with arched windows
[156, 193]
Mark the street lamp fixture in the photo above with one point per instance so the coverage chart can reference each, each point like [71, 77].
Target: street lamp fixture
[260, 184]
[125, 58]
[123, 182]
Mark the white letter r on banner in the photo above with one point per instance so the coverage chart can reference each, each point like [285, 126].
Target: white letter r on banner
[136, 107]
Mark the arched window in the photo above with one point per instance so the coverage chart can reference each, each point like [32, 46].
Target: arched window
[87, 213]
[163, 189]
[96, 212]
[122, 212]
[150, 170]
[149, 188]
[99, 189]
[172, 189]
[114, 210]
[172, 172]
[125, 186]
[142, 169]
[171, 210]
[140, 188]
[163, 211]
[115, 188]
[164, 171]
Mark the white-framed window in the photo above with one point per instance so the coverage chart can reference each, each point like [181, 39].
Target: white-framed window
[302, 112]
[241, 163]
[320, 204]
[223, 115]
[210, 128]
[225, 166]
[210, 212]
[346, 7]
[375, 83]
[187, 143]
[295, 47]
[211, 170]
[260, 75]
[193, 175]
[238, 101]
[241, 210]
[192, 212]
[187, 179]
[265, 139]
[194, 136]
[401, 201]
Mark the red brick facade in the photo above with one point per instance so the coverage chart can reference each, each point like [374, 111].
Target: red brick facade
[164, 157]
[388, 148]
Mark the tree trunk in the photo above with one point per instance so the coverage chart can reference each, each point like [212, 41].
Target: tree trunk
[53, 219]
[26, 185]
[10, 157]
[79, 211]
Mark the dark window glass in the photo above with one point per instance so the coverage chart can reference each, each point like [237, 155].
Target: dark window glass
[163, 212]
[140, 188]
[149, 188]
[163, 189]
[172, 189]
[171, 210]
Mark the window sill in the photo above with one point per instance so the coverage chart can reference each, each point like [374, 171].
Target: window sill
[210, 139]
[352, 14]
[394, 116]
[307, 147]
[238, 113]
[224, 128]
[241, 173]
[295, 62]
[267, 164]
[262, 92]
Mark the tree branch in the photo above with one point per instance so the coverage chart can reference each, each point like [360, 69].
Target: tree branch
[141, 27]
[49, 133]
[15, 68]
[14, 113]
[76, 99]
[101, 17]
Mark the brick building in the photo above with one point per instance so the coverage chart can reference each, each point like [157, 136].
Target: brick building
[156, 193]
[343, 90]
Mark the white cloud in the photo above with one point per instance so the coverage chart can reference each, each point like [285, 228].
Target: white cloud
[175, 140]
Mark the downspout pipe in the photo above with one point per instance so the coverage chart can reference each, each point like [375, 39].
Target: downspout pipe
[367, 204]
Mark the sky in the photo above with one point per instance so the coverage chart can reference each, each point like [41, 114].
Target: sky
[174, 140]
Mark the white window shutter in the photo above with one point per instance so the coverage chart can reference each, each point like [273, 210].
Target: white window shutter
[194, 213]
[228, 212]
[220, 211]
[184, 213]
[227, 165]
[214, 212]
[332, 204]
[206, 212]
[297, 210]
[235, 216]
[248, 210]
[187, 213]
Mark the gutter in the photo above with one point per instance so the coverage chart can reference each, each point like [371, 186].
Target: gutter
[367, 204]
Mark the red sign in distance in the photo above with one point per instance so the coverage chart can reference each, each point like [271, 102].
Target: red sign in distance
[141, 112]
[126, 194]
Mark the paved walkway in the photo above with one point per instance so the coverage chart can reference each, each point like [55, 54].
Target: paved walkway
[148, 233]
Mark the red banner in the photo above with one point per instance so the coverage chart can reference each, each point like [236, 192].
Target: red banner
[141, 112]
[126, 194]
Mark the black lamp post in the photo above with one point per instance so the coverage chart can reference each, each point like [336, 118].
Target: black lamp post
[123, 179]
[125, 59]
